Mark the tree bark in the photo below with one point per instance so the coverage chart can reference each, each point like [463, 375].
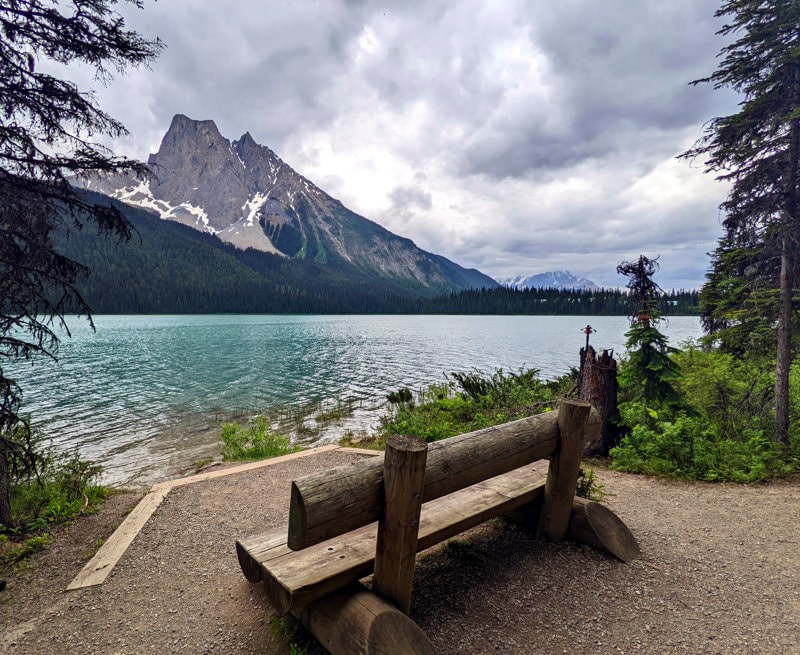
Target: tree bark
[597, 384]
[788, 246]
[784, 355]
[5, 501]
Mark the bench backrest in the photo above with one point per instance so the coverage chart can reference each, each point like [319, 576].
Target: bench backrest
[392, 492]
[329, 504]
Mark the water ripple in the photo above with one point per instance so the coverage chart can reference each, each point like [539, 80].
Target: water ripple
[144, 395]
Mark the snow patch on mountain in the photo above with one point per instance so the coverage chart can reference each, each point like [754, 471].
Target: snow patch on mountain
[141, 196]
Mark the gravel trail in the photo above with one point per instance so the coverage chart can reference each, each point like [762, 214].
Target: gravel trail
[720, 574]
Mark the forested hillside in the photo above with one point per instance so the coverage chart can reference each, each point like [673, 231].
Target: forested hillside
[171, 268]
[167, 267]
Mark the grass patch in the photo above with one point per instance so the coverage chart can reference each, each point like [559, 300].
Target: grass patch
[470, 401]
[337, 413]
[361, 440]
[64, 490]
[589, 486]
[200, 463]
[256, 441]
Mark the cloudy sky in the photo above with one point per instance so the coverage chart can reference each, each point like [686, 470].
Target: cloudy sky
[515, 137]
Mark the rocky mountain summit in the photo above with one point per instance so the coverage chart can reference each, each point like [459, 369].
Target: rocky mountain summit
[549, 280]
[243, 193]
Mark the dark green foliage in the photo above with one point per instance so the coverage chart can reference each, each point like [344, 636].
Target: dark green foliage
[62, 487]
[643, 292]
[739, 301]
[49, 131]
[649, 374]
[473, 384]
[446, 410]
[589, 486]
[549, 302]
[171, 268]
[285, 238]
[721, 430]
[751, 286]
[402, 395]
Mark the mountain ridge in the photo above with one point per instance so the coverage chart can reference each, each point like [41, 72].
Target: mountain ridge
[243, 193]
[548, 280]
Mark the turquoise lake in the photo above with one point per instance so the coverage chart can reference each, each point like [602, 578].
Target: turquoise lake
[144, 395]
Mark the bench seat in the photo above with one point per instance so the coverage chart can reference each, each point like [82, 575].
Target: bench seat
[294, 578]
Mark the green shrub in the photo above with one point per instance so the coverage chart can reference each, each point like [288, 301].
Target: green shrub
[66, 487]
[61, 487]
[471, 401]
[720, 432]
[686, 448]
[402, 395]
[257, 441]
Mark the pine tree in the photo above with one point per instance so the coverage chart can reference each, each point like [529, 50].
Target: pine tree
[47, 131]
[757, 150]
[649, 372]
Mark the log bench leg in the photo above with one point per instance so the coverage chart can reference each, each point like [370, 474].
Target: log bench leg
[562, 475]
[355, 621]
[396, 549]
[590, 523]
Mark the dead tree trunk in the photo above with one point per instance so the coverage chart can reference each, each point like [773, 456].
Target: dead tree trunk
[597, 384]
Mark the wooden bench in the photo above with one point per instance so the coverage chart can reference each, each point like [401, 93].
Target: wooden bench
[376, 515]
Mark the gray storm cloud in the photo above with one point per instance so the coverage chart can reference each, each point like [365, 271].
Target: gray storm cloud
[547, 132]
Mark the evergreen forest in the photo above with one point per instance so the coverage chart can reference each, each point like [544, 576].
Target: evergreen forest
[167, 267]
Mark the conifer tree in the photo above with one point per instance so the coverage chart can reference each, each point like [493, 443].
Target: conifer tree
[48, 130]
[757, 150]
[649, 373]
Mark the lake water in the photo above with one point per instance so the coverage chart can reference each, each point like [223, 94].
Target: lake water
[144, 395]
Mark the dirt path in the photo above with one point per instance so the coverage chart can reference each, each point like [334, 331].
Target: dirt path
[720, 574]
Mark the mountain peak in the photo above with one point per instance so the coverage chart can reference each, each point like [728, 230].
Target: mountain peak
[549, 280]
[182, 124]
[247, 139]
[243, 193]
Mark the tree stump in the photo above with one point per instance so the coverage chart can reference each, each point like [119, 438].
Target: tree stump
[597, 384]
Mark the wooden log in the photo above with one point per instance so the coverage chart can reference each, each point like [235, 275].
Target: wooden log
[590, 523]
[293, 578]
[595, 525]
[325, 505]
[562, 475]
[355, 621]
[396, 548]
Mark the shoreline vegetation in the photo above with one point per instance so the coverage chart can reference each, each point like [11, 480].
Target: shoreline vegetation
[718, 432]
[63, 489]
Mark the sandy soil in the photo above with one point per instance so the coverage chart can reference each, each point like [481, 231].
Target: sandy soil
[720, 574]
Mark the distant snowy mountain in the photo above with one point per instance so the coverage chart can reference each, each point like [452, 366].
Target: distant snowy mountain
[549, 280]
